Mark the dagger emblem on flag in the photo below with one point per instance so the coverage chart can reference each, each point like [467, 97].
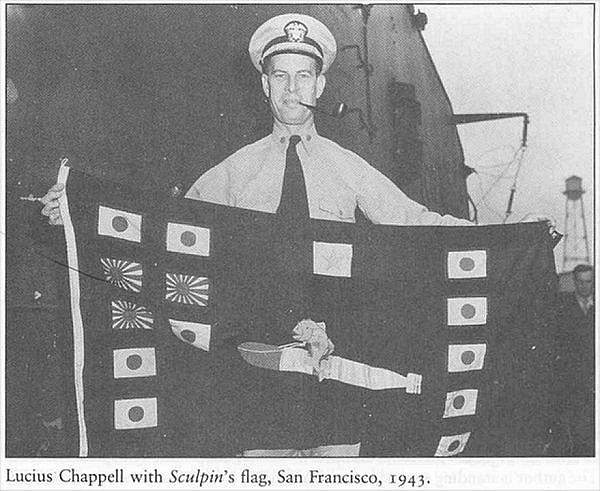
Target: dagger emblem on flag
[295, 358]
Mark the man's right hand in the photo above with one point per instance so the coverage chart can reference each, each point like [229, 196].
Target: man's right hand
[50, 202]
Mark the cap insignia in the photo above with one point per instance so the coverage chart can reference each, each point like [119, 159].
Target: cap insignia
[295, 31]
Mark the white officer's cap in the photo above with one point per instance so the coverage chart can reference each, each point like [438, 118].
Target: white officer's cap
[293, 33]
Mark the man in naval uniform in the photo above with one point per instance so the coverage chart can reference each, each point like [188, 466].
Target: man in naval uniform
[298, 174]
[293, 53]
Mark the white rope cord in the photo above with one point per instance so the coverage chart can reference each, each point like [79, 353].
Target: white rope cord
[78, 339]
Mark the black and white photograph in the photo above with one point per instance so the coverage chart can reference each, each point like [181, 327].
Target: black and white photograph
[299, 246]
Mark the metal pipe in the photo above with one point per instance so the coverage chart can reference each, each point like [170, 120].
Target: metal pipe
[476, 118]
[366, 10]
[585, 238]
[480, 117]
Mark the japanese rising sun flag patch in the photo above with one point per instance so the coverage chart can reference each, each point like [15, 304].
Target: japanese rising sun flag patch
[187, 289]
[183, 313]
[128, 315]
[124, 274]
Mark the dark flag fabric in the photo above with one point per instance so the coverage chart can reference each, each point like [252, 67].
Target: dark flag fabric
[166, 293]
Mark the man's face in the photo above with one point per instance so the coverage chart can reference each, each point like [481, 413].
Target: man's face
[584, 283]
[292, 78]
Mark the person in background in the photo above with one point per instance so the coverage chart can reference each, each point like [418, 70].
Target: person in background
[575, 341]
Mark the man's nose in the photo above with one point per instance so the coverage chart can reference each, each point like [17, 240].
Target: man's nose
[291, 85]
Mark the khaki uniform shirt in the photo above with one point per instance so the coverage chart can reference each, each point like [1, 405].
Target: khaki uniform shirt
[337, 181]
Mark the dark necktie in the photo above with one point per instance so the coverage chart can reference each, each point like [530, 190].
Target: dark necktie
[293, 204]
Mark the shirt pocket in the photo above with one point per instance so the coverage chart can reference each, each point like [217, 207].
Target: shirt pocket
[342, 211]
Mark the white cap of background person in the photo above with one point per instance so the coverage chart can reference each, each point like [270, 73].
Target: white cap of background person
[293, 33]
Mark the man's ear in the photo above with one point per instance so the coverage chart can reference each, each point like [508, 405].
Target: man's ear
[320, 84]
[265, 84]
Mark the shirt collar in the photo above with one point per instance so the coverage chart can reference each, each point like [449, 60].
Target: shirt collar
[281, 134]
[585, 302]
